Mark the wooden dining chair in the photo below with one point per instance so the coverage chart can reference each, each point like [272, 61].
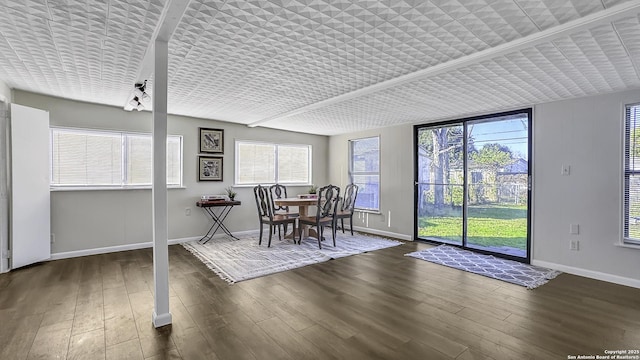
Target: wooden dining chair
[347, 206]
[266, 215]
[278, 191]
[325, 215]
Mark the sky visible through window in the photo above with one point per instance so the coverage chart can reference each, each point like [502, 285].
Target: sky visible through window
[512, 133]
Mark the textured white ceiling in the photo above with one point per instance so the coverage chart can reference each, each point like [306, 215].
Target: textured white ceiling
[249, 61]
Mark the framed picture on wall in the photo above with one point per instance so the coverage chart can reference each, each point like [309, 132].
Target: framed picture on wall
[209, 168]
[212, 141]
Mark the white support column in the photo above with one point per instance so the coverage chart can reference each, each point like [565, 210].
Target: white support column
[4, 180]
[161, 314]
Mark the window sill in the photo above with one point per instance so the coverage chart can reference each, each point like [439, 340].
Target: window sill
[98, 188]
[376, 212]
[268, 184]
[628, 246]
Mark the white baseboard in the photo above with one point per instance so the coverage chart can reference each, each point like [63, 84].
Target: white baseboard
[382, 233]
[621, 280]
[110, 249]
[127, 247]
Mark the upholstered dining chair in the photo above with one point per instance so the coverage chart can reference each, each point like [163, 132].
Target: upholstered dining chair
[347, 206]
[278, 191]
[325, 215]
[266, 215]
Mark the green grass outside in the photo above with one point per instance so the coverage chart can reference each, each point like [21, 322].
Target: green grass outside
[488, 225]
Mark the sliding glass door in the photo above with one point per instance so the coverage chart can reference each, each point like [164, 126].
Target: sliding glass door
[440, 183]
[472, 183]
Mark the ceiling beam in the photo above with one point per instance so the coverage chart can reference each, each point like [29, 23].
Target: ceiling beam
[170, 17]
[590, 21]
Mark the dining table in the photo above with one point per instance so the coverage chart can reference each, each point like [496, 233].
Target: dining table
[303, 205]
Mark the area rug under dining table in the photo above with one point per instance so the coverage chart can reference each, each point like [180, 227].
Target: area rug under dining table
[236, 260]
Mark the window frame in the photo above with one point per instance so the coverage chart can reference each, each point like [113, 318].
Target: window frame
[625, 240]
[351, 173]
[124, 160]
[236, 174]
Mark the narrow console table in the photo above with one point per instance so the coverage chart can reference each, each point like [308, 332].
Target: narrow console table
[218, 218]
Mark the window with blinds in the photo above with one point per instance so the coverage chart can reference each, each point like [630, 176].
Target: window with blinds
[632, 175]
[90, 158]
[267, 163]
[364, 171]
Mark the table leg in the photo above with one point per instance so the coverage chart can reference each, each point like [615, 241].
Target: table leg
[307, 230]
[303, 213]
[218, 223]
[302, 210]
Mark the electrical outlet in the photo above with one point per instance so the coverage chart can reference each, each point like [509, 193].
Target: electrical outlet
[574, 245]
[574, 229]
[53, 238]
[187, 211]
[566, 170]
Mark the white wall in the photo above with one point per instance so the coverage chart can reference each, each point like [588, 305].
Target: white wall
[5, 93]
[396, 179]
[85, 220]
[583, 133]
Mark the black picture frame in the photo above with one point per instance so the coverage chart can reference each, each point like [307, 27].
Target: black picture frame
[211, 140]
[210, 168]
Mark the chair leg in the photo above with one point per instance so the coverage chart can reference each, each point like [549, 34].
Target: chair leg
[351, 224]
[293, 234]
[260, 241]
[334, 239]
[334, 227]
[334, 235]
[342, 225]
[270, 235]
[320, 231]
[299, 234]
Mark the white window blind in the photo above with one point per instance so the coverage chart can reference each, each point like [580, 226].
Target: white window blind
[89, 158]
[293, 164]
[139, 159]
[174, 160]
[364, 171]
[631, 225]
[266, 163]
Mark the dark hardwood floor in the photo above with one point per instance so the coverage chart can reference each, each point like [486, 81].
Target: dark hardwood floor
[379, 305]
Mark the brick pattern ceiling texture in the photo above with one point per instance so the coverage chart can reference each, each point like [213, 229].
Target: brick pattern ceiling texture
[327, 66]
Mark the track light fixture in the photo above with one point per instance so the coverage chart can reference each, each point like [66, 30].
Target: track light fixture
[138, 97]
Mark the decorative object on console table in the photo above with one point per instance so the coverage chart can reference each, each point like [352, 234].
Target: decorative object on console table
[209, 168]
[216, 197]
[212, 141]
[230, 193]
